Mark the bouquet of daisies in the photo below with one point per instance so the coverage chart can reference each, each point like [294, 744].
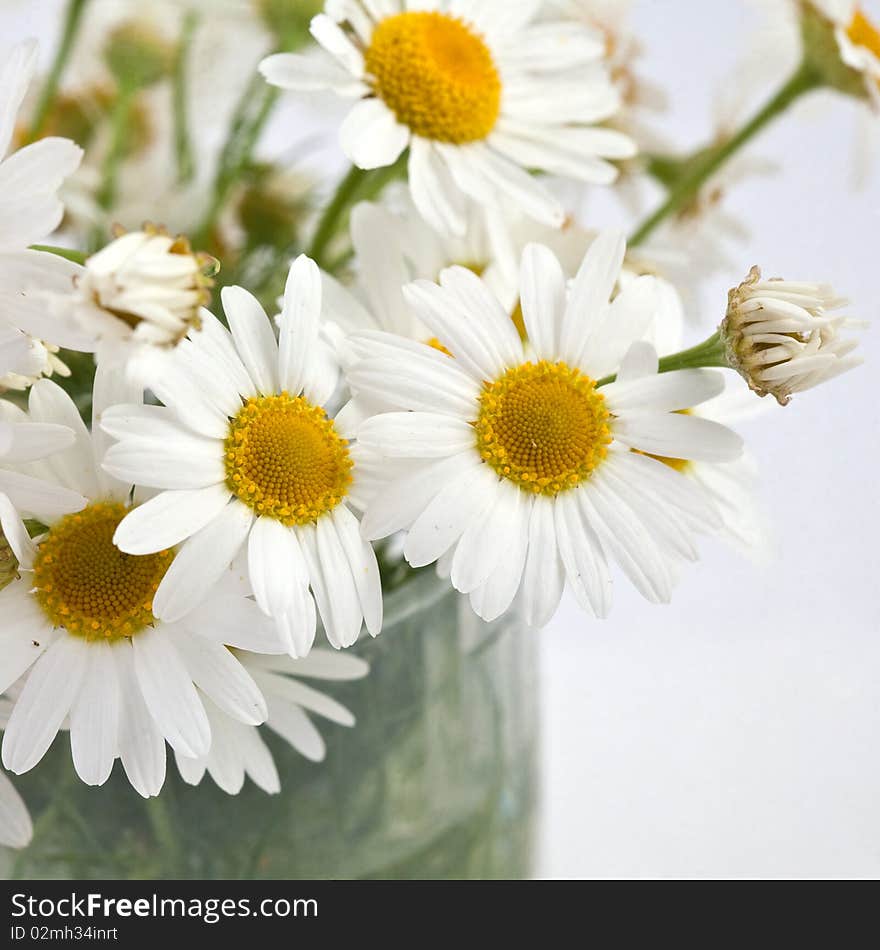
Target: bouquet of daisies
[223, 433]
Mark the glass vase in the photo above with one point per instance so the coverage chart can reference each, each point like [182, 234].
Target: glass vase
[436, 779]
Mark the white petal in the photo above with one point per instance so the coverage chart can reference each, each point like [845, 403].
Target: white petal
[49, 692]
[625, 537]
[399, 504]
[582, 554]
[542, 292]
[16, 829]
[25, 633]
[676, 436]
[434, 193]
[298, 626]
[416, 435]
[363, 565]
[665, 392]
[141, 746]
[298, 694]
[95, 716]
[254, 337]
[335, 41]
[488, 538]
[493, 598]
[74, 468]
[333, 584]
[15, 77]
[300, 320]
[230, 618]
[544, 574]
[371, 136]
[29, 441]
[38, 498]
[180, 462]
[275, 565]
[640, 360]
[16, 534]
[590, 293]
[201, 561]
[169, 518]
[169, 694]
[309, 73]
[221, 676]
[295, 727]
[462, 332]
[449, 514]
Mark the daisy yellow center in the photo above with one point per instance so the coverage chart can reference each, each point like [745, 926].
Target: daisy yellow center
[436, 75]
[285, 459]
[85, 584]
[544, 426]
[863, 33]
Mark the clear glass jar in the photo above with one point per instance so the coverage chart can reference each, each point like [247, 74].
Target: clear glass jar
[436, 780]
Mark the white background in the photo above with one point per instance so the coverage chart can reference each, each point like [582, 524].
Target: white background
[737, 731]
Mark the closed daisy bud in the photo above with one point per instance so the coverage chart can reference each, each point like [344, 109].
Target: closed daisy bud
[782, 337]
[145, 289]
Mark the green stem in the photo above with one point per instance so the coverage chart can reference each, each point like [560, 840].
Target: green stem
[710, 160]
[72, 19]
[711, 352]
[182, 144]
[68, 253]
[119, 124]
[357, 185]
[328, 224]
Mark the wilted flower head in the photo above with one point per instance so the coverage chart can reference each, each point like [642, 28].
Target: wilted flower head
[782, 337]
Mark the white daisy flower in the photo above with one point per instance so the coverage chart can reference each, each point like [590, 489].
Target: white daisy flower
[238, 750]
[783, 336]
[79, 623]
[138, 297]
[516, 471]
[245, 454]
[478, 92]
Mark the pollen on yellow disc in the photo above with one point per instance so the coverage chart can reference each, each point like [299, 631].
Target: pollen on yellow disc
[863, 33]
[436, 75]
[285, 459]
[86, 585]
[544, 426]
